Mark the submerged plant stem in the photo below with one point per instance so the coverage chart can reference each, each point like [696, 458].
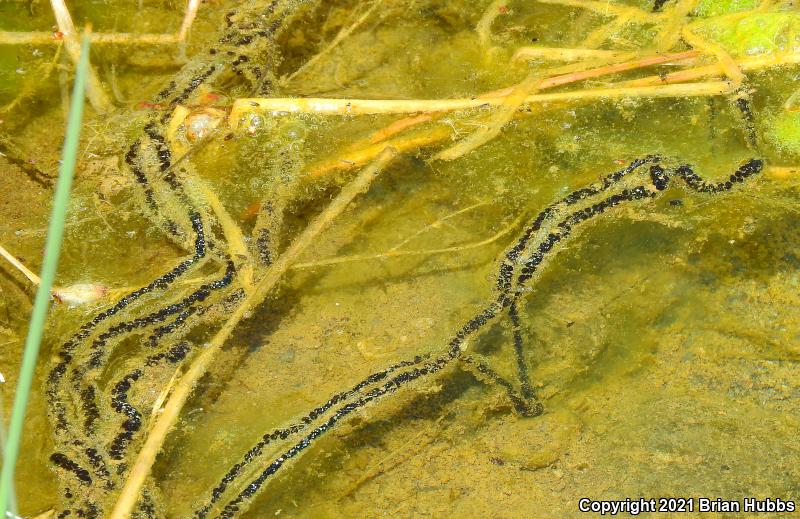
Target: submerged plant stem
[568, 54]
[183, 387]
[94, 89]
[405, 106]
[647, 61]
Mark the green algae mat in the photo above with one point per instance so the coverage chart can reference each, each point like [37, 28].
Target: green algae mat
[421, 258]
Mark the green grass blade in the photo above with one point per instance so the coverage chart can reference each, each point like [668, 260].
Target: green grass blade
[55, 234]
[12, 496]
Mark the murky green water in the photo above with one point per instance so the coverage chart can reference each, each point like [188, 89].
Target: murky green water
[660, 335]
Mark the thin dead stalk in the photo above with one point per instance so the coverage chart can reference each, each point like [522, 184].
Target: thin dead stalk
[657, 59]
[237, 249]
[17, 264]
[362, 156]
[188, 19]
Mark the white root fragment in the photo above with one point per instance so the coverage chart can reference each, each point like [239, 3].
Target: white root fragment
[80, 294]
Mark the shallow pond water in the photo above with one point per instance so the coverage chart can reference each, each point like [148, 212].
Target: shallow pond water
[645, 343]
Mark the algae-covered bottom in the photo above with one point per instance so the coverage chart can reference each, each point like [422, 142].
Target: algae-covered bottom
[497, 326]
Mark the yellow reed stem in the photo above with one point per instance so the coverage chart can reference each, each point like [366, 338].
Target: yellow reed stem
[278, 106]
[398, 126]
[647, 61]
[94, 89]
[568, 54]
[184, 386]
[359, 157]
[178, 146]
[28, 38]
[709, 88]
[126, 38]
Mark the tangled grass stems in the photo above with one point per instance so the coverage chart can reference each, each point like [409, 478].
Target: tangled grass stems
[361, 155]
[429, 106]
[55, 236]
[440, 132]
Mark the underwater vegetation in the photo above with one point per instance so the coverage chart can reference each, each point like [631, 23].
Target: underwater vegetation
[423, 258]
